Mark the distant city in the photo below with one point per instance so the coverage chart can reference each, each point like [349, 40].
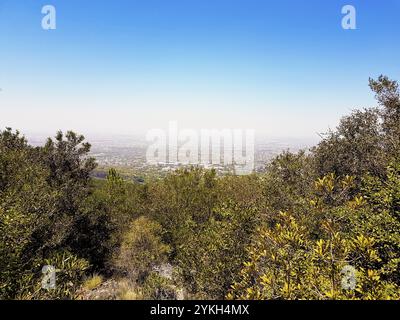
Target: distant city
[128, 153]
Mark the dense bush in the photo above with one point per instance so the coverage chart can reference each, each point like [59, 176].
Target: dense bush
[304, 258]
[141, 249]
[295, 231]
[41, 197]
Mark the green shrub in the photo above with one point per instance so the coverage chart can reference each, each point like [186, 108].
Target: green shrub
[141, 249]
[69, 276]
[157, 287]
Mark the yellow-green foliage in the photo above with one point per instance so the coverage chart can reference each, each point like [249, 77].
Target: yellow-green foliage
[93, 282]
[295, 260]
[70, 272]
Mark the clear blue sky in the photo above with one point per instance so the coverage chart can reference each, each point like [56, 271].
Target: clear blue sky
[285, 68]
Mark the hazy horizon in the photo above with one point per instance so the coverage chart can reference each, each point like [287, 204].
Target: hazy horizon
[122, 67]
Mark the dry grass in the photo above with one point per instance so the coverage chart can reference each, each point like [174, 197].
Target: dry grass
[127, 291]
[93, 282]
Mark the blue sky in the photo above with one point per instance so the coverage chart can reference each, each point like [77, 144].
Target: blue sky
[285, 68]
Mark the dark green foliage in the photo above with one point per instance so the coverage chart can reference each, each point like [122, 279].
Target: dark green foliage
[202, 217]
[388, 97]
[382, 219]
[42, 191]
[366, 141]
[288, 180]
